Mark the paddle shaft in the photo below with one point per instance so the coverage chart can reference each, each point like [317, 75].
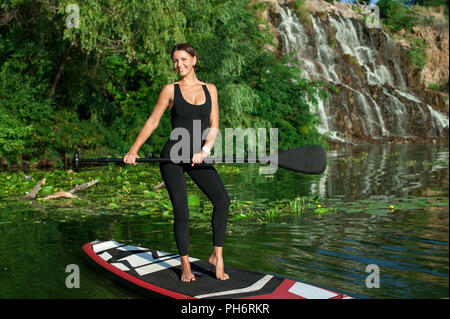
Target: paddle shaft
[310, 159]
[264, 159]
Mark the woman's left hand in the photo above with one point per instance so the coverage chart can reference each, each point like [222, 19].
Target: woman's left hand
[198, 158]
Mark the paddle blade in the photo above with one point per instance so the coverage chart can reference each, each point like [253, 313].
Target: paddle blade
[311, 159]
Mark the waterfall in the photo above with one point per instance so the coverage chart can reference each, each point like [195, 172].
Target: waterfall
[439, 119]
[373, 101]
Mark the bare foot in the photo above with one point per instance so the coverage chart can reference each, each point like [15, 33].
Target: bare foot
[186, 274]
[217, 261]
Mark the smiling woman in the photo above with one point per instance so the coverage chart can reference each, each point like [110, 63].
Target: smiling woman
[185, 111]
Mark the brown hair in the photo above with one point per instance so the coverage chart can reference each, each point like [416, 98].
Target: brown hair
[188, 48]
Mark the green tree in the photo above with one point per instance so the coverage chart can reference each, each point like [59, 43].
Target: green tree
[90, 87]
[395, 15]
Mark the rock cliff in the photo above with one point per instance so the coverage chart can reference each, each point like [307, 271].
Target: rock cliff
[381, 96]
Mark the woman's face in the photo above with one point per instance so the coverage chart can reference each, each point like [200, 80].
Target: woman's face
[183, 62]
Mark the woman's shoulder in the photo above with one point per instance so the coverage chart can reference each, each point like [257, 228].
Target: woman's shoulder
[169, 87]
[210, 86]
[167, 91]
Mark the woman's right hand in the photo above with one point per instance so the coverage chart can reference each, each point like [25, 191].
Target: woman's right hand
[130, 158]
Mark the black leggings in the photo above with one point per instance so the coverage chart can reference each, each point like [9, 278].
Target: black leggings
[208, 180]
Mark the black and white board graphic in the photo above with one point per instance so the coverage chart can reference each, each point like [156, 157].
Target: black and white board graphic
[157, 274]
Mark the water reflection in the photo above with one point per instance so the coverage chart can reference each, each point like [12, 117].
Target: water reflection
[410, 245]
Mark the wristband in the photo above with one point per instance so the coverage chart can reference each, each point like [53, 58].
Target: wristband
[206, 149]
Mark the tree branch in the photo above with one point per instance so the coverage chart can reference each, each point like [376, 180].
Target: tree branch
[32, 194]
[62, 65]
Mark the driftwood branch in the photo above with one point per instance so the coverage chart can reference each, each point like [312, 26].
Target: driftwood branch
[70, 194]
[160, 185]
[32, 194]
[82, 186]
[59, 195]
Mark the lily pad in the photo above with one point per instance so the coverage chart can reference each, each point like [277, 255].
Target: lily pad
[113, 205]
[193, 200]
[47, 190]
[321, 210]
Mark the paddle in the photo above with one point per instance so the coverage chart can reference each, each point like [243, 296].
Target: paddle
[310, 159]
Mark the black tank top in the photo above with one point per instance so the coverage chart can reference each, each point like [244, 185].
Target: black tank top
[191, 117]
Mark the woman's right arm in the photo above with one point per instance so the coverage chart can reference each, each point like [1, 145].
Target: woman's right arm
[151, 124]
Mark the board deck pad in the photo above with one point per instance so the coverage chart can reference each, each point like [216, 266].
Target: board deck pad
[158, 273]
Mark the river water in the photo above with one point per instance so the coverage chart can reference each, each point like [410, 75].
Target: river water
[383, 215]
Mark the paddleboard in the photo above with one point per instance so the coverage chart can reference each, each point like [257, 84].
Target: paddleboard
[157, 274]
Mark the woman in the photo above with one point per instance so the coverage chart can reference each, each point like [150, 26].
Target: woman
[190, 102]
